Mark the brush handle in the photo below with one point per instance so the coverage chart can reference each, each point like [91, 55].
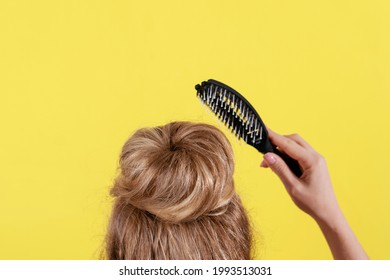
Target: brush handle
[267, 147]
[292, 163]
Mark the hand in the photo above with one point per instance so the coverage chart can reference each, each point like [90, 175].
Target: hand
[312, 192]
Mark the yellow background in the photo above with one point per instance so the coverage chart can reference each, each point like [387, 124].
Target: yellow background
[78, 77]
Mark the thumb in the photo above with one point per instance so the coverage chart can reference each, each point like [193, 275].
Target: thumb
[281, 169]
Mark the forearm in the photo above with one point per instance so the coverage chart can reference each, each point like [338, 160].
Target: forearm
[341, 240]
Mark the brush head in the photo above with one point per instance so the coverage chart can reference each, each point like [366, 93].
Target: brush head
[236, 113]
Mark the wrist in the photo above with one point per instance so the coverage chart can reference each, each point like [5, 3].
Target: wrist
[334, 225]
[333, 219]
[340, 237]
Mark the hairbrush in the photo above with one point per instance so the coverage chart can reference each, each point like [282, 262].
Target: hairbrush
[240, 116]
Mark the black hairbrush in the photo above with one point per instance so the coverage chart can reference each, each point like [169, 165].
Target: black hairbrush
[239, 116]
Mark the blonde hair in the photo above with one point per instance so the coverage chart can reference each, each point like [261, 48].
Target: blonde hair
[175, 197]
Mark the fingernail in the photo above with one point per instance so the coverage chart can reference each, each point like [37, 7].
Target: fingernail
[262, 164]
[270, 158]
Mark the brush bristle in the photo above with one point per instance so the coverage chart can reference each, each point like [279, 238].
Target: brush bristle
[232, 111]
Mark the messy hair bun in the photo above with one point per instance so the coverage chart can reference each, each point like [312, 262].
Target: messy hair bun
[177, 172]
[175, 176]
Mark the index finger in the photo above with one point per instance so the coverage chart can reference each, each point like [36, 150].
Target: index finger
[290, 147]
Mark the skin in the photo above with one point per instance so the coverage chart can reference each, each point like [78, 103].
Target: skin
[313, 193]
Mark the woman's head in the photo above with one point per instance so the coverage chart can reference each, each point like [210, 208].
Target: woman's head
[175, 197]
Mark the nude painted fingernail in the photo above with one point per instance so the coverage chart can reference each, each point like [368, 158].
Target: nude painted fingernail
[270, 158]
